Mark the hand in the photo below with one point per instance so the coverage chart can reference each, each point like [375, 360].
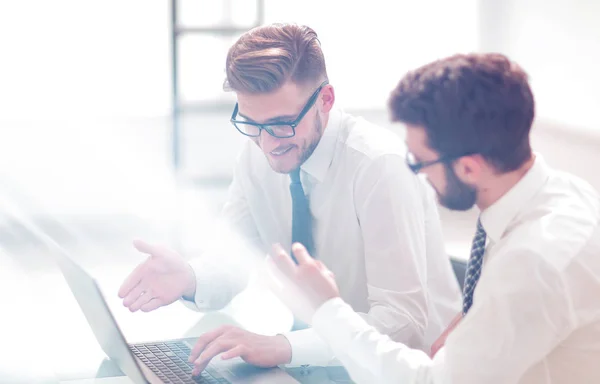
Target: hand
[439, 343]
[259, 350]
[305, 287]
[160, 280]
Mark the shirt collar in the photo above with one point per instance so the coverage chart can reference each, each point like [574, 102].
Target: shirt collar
[318, 163]
[497, 217]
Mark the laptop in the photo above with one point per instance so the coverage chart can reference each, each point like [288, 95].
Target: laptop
[155, 362]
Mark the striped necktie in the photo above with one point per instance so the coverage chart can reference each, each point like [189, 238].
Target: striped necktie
[474, 267]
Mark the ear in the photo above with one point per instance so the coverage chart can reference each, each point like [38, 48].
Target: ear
[326, 99]
[469, 169]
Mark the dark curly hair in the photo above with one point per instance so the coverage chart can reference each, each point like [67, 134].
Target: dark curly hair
[473, 103]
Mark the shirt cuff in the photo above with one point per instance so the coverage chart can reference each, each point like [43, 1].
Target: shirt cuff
[308, 349]
[211, 293]
[337, 324]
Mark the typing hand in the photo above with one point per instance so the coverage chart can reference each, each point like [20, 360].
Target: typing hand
[160, 280]
[259, 350]
[439, 343]
[305, 287]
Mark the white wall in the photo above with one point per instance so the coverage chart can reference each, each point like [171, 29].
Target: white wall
[80, 82]
[68, 58]
[558, 43]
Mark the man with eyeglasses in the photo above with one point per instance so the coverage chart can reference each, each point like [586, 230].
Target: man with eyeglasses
[312, 174]
[531, 307]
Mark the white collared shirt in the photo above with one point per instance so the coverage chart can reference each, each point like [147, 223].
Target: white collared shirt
[375, 225]
[536, 309]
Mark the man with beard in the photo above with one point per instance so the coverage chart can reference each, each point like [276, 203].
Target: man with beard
[310, 173]
[531, 307]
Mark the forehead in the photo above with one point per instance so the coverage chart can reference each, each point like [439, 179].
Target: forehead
[286, 101]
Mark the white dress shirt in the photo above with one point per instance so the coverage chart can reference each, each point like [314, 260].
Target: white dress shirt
[375, 225]
[536, 309]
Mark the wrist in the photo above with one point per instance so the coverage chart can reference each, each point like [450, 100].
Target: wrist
[283, 349]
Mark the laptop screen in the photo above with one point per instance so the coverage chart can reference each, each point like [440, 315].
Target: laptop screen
[101, 321]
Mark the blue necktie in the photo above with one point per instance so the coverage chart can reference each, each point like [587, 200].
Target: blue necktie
[301, 217]
[474, 267]
[301, 226]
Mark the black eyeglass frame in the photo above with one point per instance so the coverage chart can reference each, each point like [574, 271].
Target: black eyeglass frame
[418, 166]
[266, 127]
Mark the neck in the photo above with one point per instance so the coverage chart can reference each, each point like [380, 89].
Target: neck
[499, 185]
[325, 121]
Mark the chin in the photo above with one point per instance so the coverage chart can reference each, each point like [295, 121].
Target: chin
[456, 205]
[282, 167]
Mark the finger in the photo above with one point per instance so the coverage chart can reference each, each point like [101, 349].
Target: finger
[283, 261]
[324, 270]
[234, 352]
[142, 300]
[213, 349]
[144, 247]
[301, 254]
[276, 281]
[132, 280]
[321, 266]
[134, 294]
[329, 275]
[151, 305]
[205, 340]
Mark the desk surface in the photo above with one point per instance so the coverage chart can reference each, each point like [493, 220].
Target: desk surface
[106, 380]
[313, 375]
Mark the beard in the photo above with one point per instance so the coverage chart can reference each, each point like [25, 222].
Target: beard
[309, 147]
[458, 195]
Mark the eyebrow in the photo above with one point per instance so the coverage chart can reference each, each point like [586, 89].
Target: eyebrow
[284, 118]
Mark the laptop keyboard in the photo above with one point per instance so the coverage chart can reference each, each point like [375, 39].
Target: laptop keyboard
[169, 361]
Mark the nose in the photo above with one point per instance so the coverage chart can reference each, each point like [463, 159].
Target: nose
[268, 142]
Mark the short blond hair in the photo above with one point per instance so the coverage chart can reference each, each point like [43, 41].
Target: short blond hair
[266, 57]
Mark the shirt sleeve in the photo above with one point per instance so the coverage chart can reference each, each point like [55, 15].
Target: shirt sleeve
[390, 208]
[309, 349]
[223, 269]
[368, 355]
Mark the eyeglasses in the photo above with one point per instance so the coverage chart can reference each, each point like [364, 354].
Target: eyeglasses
[416, 166]
[282, 129]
